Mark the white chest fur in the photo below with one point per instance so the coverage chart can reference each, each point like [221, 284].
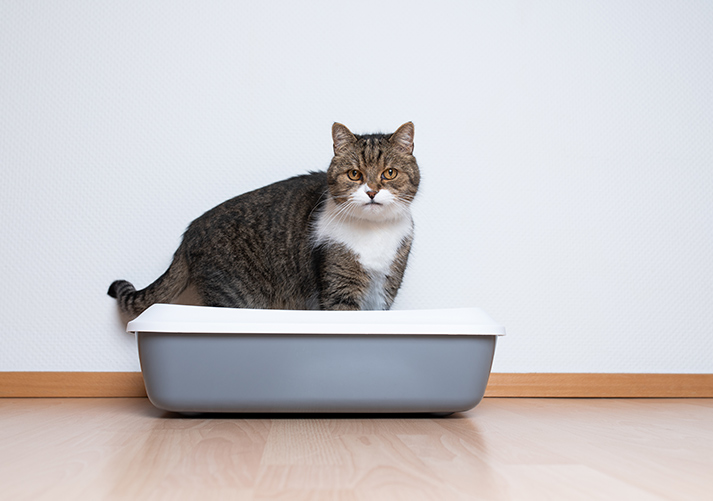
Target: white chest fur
[374, 242]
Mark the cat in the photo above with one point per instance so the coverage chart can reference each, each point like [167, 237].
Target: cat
[334, 240]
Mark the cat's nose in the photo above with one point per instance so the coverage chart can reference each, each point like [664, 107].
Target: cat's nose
[372, 194]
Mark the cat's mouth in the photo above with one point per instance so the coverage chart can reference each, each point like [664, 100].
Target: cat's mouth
[373, 207]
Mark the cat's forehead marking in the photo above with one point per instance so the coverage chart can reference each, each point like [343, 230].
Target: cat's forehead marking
[372, 149]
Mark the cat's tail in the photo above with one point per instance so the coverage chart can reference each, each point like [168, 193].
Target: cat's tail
[165, 289]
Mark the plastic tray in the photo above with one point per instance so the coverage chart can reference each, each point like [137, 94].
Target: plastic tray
[197, 359]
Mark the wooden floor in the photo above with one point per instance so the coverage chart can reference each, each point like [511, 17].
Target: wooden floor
[521, 449]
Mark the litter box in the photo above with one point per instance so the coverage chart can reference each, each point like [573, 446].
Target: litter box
[198, 359]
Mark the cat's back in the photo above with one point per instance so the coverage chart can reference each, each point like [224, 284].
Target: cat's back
[285, 206]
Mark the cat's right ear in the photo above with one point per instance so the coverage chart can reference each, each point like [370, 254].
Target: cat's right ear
[342, 138]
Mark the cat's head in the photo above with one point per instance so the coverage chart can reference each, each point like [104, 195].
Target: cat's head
[374, 176]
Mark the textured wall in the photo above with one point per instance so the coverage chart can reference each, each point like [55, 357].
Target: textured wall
[565, 148]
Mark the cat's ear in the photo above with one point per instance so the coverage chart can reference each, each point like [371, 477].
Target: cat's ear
[402, 139]
[342, 138]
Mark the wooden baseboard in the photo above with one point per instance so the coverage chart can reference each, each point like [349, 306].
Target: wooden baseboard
[601, 385]
[72, 384]
[554, 385]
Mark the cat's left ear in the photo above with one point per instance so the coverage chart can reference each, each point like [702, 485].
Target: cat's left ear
[402, 139]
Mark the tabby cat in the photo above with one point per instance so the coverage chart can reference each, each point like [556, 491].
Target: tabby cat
[335, 240]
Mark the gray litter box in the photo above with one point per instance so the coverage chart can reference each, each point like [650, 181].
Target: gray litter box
[197, 359]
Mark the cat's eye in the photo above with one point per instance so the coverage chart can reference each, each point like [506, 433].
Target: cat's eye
[389, 174]
[354, 175]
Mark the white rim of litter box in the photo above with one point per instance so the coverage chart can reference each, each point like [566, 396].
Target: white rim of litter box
[174, 318]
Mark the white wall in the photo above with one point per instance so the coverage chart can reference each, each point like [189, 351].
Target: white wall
[566, 151]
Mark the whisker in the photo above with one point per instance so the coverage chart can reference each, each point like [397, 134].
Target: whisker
[323, 199]
[339, 215]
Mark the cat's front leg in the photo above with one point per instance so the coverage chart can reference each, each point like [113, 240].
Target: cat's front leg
[396, 273]
[343, 281]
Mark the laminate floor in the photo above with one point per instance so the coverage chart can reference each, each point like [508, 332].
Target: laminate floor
[504, 449]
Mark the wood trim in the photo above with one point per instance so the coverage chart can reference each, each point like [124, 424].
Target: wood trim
[601, 385]
[72, 384]
[553, 385]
